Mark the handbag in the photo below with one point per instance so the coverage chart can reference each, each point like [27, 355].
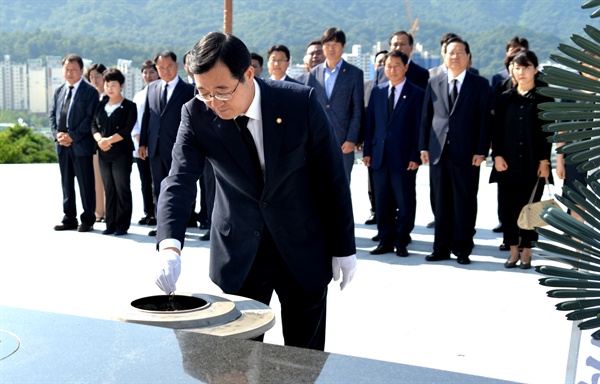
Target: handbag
[531, 214]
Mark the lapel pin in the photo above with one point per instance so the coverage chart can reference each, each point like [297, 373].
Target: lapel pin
[279, 120]
[404, 97]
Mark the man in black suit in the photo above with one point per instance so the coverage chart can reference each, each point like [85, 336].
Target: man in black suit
[403, 41]
[162, 115]
[282, 218]
[340, 87]
[71, 114]
[455, 141]
[391, 150]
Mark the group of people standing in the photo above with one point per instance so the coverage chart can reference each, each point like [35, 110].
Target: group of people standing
[280, 156]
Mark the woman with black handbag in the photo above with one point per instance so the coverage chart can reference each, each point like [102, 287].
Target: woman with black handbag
[112, 124]
[521, 154]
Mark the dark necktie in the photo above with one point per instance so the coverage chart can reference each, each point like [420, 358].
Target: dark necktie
[242, 124]
[391, 102]
[163, 99]
[65, 111]
[453, 93]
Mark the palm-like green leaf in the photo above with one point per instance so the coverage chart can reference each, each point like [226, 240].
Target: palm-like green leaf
[575, 123]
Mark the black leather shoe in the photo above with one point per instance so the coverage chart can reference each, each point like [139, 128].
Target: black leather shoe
[434, 257]
[65, 227]
[85, 228]
[142, 221]
[401, 251]
[431, 225]
[120, 232]
[205, 237]
[375, 238]
[504, 247]
[150, 220]
[382, 249]
[152, 232]
[464, 260]
[371, 220]
[499, 228]
[108, 231]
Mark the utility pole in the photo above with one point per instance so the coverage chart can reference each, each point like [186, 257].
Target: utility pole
[227, 17]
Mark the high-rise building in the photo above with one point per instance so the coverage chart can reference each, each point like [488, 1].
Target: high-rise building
[360, 60]
[54, 77]
[133, 78]
[38, 97]
[13, 85]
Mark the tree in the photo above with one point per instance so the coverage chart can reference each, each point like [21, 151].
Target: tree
[21, 145]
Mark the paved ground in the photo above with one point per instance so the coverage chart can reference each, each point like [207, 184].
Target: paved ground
[479, 319]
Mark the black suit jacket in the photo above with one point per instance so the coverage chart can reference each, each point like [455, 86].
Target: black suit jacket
[121, 121]
[393, 141]
[416, 74]
[466, 126]
[159, 128]
[305, 202]
[83, 105]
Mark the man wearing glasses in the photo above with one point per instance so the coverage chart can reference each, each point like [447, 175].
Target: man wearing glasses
[282, 217]
[278, 63]
[161, 119]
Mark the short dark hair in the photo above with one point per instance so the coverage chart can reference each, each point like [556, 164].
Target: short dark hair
[279, 48]
[148, 64]
[526, 58]
[446, 37]
[516, 42]
[385, 51]
[508, 59]
[113, 74]
[397, 53]
[220, 47]
[257, 57]
[166, 53]
[334, 34]
[460, 41]
[72, 58]
[411, 40]
[314, 42]
[98, 67]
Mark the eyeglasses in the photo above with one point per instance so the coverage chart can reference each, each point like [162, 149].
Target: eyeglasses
[219, 96]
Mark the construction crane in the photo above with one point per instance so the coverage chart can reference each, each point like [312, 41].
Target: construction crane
[414, 24]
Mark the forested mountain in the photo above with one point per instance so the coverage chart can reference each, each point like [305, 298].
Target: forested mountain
[137, 29]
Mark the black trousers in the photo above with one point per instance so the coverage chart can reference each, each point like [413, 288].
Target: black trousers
[82, 168]
[396, 197]
[455, 190]
[143, 167]
[303, 313]
[116, 176]
[513, 195]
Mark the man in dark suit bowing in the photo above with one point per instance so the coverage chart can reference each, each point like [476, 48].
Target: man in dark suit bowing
[455, 141]
[391, 149]
[162, 115]
[340, 89]
[403, 41]
[71, 114]
[282, 216]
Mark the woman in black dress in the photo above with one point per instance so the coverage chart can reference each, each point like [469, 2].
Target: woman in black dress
[112, 124]
[521, 154]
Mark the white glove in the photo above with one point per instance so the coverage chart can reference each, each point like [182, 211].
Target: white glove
[347, 266]
[169, 268]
